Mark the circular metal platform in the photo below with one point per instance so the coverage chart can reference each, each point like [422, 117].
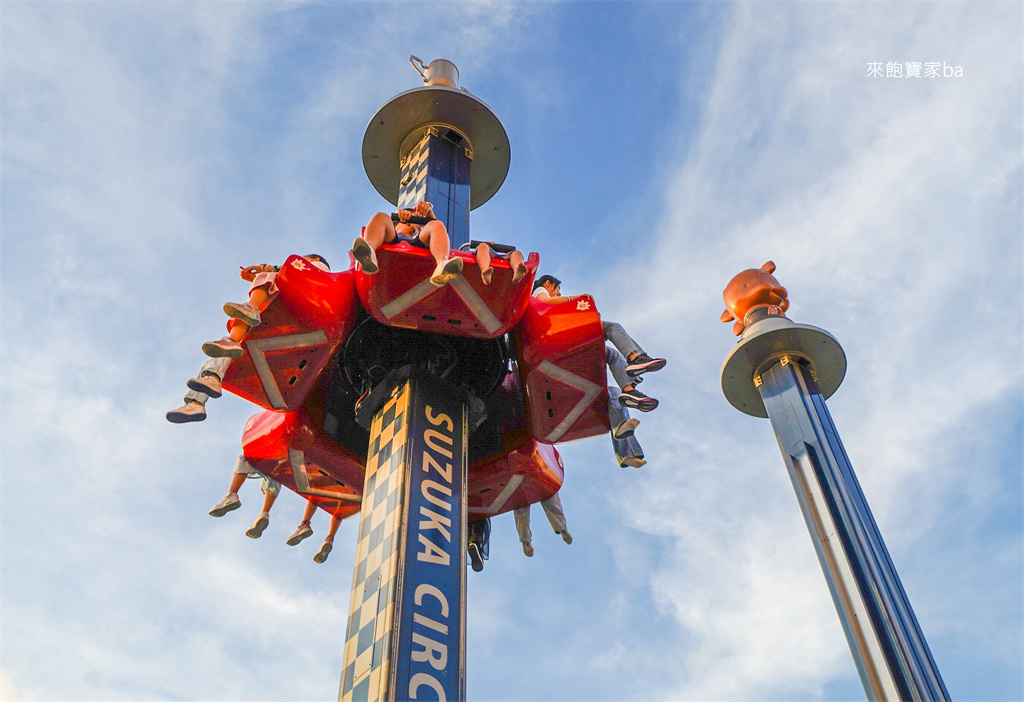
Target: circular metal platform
[415, 110]
[775, 337]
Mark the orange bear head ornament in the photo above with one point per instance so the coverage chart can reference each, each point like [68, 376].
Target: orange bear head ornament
[753, 289]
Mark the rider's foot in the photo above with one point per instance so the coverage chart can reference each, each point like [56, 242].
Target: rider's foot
[447, 270]
[244, 312]
[634, 399]
[226, 347]
[191, 411]
[642, 363]
[367, 259]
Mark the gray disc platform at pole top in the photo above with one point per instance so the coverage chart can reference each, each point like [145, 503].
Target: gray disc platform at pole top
[401, 121]
[764, 342]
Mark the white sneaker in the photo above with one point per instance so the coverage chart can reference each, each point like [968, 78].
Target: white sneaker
[207, 384]
[366, 257]
[447, 270]
[303, 531]
[244, 312]
[325, 550]
[261, 523]
[626, 429]
[227, 503]
[191, 411]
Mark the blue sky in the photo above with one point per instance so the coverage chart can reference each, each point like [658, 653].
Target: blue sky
[657, 149]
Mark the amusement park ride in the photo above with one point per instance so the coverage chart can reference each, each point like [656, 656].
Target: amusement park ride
[426, 409]
[422, 408]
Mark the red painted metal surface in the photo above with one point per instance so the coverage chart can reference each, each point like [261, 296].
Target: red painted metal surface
[561, 356]
[556, 391]
[522, 473]
[280, 444]
[302, 328]
[400, 294]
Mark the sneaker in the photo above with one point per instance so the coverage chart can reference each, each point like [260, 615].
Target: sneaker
[244, 312]
[227, 503]
[325, 550]
[626, 429]
[226, 347]
[446, 271]
[634, 399]
[366, 257]
[642, 363]
[261, 523]
[633, 462]
[476, 559]
[303, 531]
[191, 411]
[528, 550]
[207, 384]
[566, 536]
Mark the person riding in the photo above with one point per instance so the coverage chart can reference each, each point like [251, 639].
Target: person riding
[548, 289]
[431, 236]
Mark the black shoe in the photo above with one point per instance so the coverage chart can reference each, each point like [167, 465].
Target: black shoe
[476, 560]
[634, 399]
[642, 363]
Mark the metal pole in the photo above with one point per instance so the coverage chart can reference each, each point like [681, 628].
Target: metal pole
[775, 371]
[407, 620]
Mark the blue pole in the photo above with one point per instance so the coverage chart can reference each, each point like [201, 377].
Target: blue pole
[785, 371]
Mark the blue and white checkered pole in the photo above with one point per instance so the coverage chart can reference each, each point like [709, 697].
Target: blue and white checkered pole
[407, 621]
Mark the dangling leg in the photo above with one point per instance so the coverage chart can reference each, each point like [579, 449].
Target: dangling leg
[630, 396]
[515, 259]
[638, 361]
[624, 443]
[230, 501]
[270, 490]
[304, 530]
[435, 236]
[483, 261]
[194, 409]
[379, 230]
[522, 517]
[556, 517]
[328, 544]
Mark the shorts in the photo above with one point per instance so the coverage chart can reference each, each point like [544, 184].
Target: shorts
[245, 468]
[268, 279]
[413, 240]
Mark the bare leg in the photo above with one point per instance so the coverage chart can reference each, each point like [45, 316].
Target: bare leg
[515, 259]
[237, 479]
[435, 236]
[335, 523]
[379, 230]
[483, 261]
[307, 514]
[268, 500]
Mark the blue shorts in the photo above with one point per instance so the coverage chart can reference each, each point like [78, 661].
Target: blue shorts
[414, 240]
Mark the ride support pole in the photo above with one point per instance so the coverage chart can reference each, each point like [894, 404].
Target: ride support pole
[784, 371]
[407, 620]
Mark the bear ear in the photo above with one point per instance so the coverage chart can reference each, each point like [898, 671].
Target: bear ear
[768, 267]
[737, 328]
[727, 316]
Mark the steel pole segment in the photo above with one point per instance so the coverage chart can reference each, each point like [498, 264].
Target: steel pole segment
[889, 649]
[407, 621]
